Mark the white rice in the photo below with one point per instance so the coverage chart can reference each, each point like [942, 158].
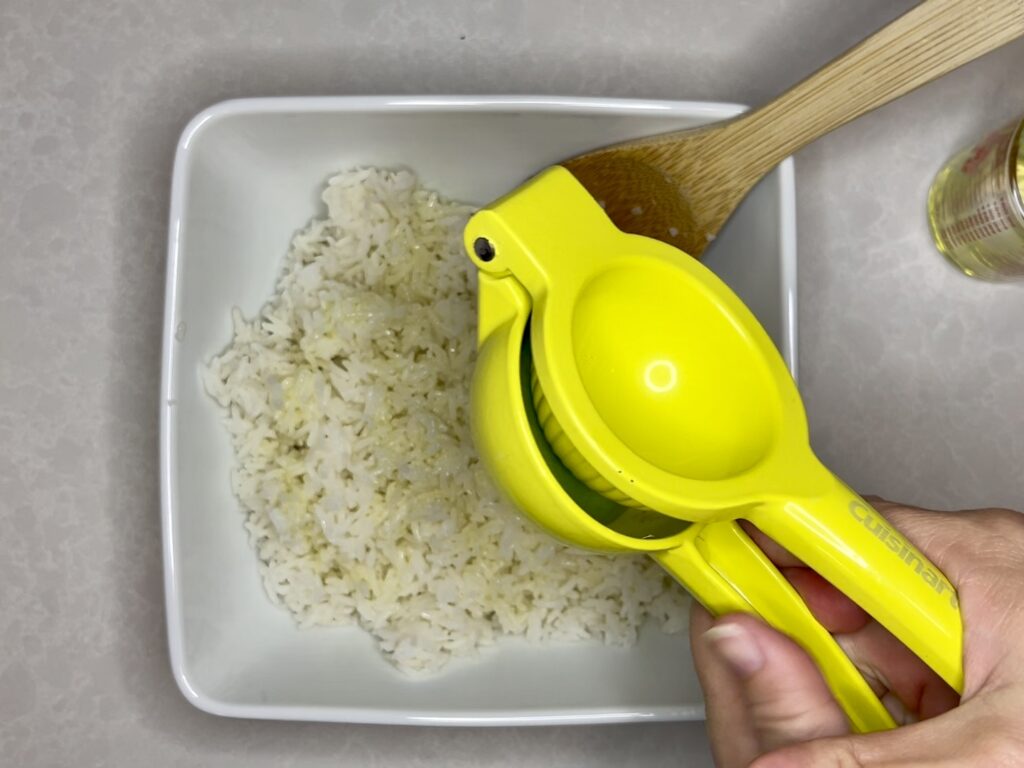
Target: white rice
[347, 402]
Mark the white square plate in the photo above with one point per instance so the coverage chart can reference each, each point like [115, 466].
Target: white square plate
[247, 175]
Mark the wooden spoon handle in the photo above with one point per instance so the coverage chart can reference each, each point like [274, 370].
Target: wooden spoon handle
[930, 40]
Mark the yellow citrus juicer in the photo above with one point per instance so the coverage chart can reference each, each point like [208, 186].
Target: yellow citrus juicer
[626, 400]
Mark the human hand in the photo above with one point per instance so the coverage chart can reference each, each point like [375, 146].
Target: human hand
[768, 706]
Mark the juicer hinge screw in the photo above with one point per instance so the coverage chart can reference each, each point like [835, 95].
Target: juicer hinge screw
[483, 248]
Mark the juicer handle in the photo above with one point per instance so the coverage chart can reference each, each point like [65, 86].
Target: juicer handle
[847, 542]
[728, 573]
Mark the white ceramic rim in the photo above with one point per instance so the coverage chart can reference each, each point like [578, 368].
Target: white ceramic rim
[169, 368]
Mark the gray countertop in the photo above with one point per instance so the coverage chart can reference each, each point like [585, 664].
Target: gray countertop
[913, 375]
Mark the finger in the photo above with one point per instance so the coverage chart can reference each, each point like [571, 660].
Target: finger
[876, 501]
[832, 608]
[783, 558]
[980, 551]
[890, 666]
[955, 739]
[936, 533]
[836, 612]
[947, 538]
[916, 690]
[775, 552]
[730, 732]
[787, 699]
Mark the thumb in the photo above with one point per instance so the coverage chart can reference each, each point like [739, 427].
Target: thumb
[788, 701]
[919, 744]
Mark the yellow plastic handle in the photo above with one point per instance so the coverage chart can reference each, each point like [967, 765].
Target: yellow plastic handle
[727, 573]
[844, 539]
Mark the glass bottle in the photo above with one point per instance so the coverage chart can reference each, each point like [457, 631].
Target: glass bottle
[976, 208]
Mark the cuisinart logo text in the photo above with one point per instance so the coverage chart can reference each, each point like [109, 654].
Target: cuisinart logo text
[902, 549]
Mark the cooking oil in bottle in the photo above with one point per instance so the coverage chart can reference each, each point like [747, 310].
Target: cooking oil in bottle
[976, 208]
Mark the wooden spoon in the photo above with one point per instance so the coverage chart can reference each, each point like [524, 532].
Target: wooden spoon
[681, 187]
